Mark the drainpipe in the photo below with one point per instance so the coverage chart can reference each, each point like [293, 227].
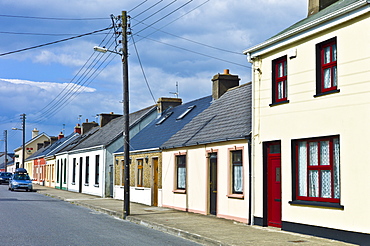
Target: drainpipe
[250, 180]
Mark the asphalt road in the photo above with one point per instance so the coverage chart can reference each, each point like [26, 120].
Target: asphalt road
[29, 218]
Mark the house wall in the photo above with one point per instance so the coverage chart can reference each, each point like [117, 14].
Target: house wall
[90, 187]
[346, 114]
[140, 194]
[30, 148]
[50, 175]
[196, 198]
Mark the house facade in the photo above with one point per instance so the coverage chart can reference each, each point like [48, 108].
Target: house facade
[206, 165]
[31, 147]
[310, 112]
[146, 156]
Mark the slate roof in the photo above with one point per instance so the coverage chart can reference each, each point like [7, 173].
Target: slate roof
[54, 147]
[228, 118]
[112, 131]
[333, 10]
[154, 134]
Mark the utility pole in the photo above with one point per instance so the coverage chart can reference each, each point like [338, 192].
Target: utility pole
[23, 138]
[6, 150]
[126, 137]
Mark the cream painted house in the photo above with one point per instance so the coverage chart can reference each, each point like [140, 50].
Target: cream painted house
[206, 165]
[31, 146]
[311, 109]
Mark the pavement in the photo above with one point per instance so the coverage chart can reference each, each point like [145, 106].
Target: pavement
[203, 229]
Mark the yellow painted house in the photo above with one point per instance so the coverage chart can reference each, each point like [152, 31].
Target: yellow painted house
[311, 113]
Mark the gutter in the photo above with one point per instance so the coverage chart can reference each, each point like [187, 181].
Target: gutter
[266, 46]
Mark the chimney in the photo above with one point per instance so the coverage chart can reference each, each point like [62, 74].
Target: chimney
[87, 126]
[106, 118]
[166, 102]
[223, 82]
[315, 6]
[61, 135]
[35, 133]
[77, 129]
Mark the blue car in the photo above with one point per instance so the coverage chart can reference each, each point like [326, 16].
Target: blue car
[5, 177]
[20, 180]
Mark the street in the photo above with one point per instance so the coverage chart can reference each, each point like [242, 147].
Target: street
[29, 218]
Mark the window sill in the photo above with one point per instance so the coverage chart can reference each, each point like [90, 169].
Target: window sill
[278, 103]
[236, 196]
[96, 185]
[179, 191]
[73, 183]
[326, 93]
[87, 184]
[317, 204]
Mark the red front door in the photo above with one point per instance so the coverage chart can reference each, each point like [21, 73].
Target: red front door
[274, 185]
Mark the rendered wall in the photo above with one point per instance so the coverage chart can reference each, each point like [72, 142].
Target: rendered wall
[346, 113]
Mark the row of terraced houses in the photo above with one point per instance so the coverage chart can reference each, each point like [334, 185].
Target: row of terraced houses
[287, 150]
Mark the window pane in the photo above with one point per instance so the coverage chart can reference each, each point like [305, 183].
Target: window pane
[181, 174]
[326, 184]
[335, 76]
[237, 156]
[302, 168]
[334, 50]
[281, 90]
[314, 183]
[336, 169]
[313, 154]
[324, 153]
[280, 69]
[238, 179]
[326, 55]
[327, 78]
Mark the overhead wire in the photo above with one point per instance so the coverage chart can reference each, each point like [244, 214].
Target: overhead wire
[142, 70]
[54, 42]
[53, 18]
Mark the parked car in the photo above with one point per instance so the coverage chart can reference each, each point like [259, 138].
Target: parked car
[20, 180]
[4, 177]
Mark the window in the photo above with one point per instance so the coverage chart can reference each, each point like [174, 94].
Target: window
[279, 80]
[317, 169]
[186, 112]
[140, 173]
[87, 169]
[326, 70]
[57, 171]
[65, 171]
[181, 172]
[74, 171]
[164, 118]
[237, 171]
[97, 169]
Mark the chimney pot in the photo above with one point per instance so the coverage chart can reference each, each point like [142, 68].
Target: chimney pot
[77, 129]
[226, 71]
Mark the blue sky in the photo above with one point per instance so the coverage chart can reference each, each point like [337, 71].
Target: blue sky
[177, 41]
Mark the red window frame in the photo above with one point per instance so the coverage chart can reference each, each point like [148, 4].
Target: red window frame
[140, 172]
[280, 77]
[319, 168]
[330, 64]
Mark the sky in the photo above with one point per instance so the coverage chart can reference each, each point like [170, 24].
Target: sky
[175, 46]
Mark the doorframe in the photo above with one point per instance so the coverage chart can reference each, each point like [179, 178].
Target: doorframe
[265, 180]
[209, 181]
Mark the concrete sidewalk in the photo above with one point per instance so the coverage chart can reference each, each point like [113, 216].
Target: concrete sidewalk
[207, 230]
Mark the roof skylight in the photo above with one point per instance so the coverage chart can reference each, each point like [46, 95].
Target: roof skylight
[190, 108]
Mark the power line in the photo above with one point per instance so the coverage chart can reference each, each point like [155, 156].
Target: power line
[46, 34]
[195, 52]
[55, 42]
[142, 69]
[53, 18]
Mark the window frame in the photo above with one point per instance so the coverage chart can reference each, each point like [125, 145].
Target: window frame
[180, 162]
[87, 170]
[140, 173]
[233, 164]
[97, 169]
[74, 171]
[276, 79]
[319, 168]
[321, 66]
